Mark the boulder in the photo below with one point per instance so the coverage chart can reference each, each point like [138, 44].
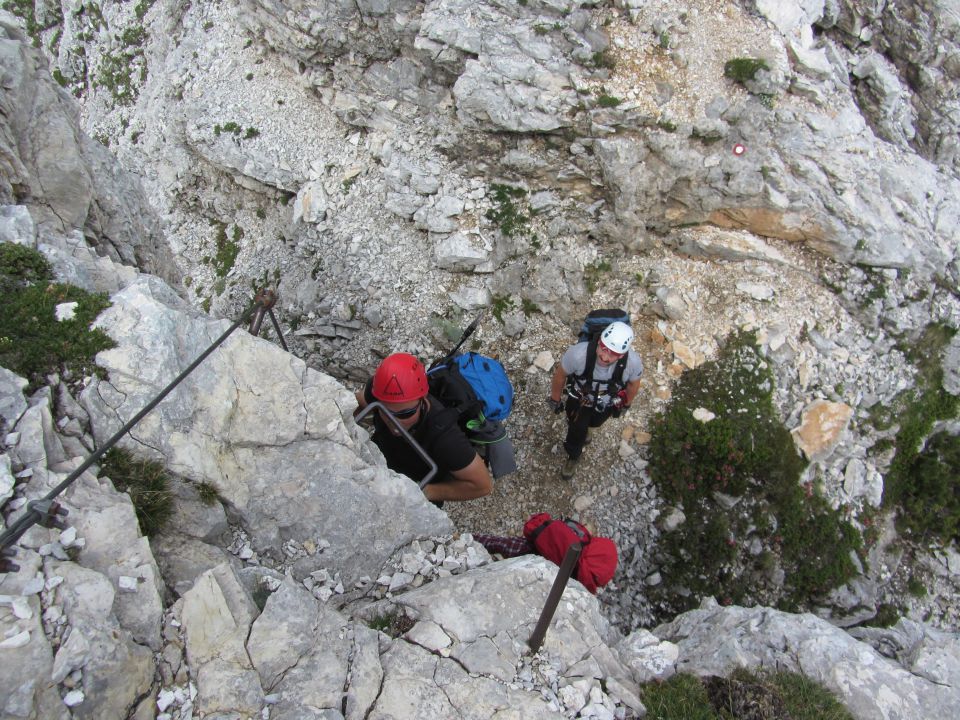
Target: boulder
[216, 618]
[716, 641]
[822, 425]
[275, 438]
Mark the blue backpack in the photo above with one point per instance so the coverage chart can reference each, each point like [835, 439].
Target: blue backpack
[475, 385]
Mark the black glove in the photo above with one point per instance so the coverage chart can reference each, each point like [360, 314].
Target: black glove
[555, 405]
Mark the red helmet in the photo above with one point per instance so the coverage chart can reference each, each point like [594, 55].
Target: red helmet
[400, 378]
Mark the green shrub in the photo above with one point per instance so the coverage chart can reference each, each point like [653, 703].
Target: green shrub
[593, 272]
[507, 213]
[33, 343]
[147, 484]
[608, 101]
[928, 491]
[393, 624]
[918, 483]
[745, 454]
[742, 69]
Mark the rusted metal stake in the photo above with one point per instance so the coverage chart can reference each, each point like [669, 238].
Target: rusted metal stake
[553, 599]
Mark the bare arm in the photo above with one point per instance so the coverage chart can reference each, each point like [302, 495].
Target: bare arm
[471, 482]
[632, 389]
[557, 382]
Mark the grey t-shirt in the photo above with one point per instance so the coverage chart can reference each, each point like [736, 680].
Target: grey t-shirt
[574, 362]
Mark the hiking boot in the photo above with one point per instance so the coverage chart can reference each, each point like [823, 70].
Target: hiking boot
[589, 433]
[569, 468]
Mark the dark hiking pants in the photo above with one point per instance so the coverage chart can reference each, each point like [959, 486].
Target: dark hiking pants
[579, 418]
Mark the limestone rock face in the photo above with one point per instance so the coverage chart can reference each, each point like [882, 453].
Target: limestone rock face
[715, 641]
[66, 179]
[264, 430]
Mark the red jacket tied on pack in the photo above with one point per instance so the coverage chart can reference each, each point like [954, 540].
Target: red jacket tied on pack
[551, 537]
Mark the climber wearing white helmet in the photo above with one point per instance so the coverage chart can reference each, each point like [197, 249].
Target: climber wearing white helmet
[602, 376]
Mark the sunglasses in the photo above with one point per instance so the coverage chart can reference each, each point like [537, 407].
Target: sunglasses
[408, 413]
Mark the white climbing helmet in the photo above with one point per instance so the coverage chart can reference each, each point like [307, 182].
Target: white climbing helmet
[617, 337]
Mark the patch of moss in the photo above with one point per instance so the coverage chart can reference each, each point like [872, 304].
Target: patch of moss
[501, 304]
[742, 69]
[529, 307]
[608, 101]
[227, 249]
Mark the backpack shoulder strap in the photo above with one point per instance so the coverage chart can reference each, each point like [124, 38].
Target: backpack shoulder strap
[537, 530]
[591, 361]
[616, 380]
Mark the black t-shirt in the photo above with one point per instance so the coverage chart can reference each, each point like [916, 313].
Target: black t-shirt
[437, 433]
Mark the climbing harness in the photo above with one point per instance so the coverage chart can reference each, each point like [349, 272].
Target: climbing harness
[47, 512]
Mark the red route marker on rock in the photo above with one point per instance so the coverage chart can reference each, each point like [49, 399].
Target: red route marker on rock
[739, 149]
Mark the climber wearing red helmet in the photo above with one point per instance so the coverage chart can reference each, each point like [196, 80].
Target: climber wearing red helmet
[400, 384]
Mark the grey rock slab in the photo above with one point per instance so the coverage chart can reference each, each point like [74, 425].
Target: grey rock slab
[7, 481]
[419, 684]
[117, 671]
[72, 182]
[12, 402]
[39, 443]
[504, 599]
[25, 691]
[715, 641]
[216, 618]
[17, 225]
[274, 437]
[310, 655]
[183, 559]
[283, 633]
[461, 252]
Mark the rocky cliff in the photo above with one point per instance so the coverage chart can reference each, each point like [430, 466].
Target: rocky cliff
[393, 166]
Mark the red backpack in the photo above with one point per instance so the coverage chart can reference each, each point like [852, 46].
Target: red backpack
[551, 538]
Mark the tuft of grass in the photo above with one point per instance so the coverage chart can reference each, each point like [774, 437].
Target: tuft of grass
[759, 695]
[147, 484]
[681, 697]
[122, 71]
[33, 343]
[916, 587]
[743, 69]
[608, 101]
[744, 453]
[604, 60]
[207, 493]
